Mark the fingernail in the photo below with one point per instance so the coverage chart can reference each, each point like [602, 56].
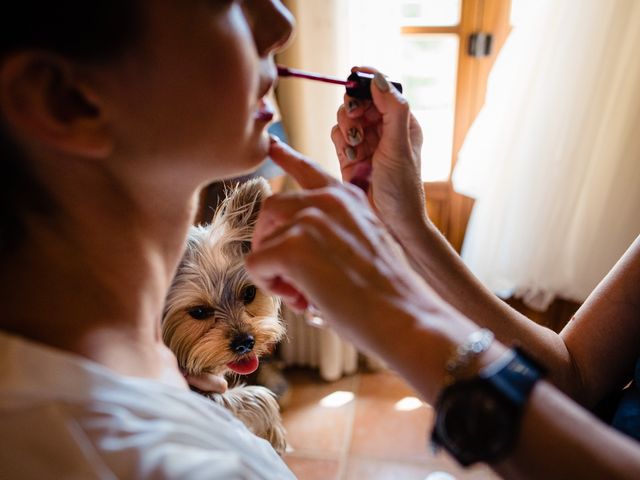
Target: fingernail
[352, 105]
[354, 137]
[381, 82]
[350, 153]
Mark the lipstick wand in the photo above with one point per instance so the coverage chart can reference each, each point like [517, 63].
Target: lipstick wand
[292, 72]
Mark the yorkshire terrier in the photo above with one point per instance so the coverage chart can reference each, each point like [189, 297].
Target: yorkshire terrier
[216, 321]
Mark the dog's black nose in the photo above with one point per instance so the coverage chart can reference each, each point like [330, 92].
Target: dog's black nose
[243, 343]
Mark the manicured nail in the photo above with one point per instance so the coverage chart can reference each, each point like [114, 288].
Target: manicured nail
[381, 82]
[354, 137]
[352, 105]
[350, 153]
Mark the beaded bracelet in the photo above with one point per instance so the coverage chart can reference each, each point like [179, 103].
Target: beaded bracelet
[464, 354]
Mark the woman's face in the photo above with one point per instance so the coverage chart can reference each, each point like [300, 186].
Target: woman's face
[187, 103]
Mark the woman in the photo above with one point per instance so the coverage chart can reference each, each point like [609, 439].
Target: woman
[325, 247]
[114, 114]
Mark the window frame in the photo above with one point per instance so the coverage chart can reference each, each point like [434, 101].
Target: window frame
[449, 210]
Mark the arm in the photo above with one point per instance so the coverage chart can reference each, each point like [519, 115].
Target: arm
[560, 440]
[390, 146]
[604, 334]
[325, 245]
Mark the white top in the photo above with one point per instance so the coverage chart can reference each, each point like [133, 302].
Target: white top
[63, 416]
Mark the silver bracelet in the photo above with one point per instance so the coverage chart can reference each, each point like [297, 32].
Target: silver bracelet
[464, 354]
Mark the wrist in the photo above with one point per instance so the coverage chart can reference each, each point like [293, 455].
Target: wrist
[410, 232]
[468, 355]
[425, 342]
[478, 419]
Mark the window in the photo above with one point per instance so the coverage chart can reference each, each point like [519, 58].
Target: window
[425, 44]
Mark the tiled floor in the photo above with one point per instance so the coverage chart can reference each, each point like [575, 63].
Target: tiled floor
[369, 426]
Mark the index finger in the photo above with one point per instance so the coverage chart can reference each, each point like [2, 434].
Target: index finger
[307, 173]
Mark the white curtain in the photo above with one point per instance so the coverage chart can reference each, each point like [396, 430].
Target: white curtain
[309, 108]
[554, 157]
[308, 114]
[332, 36]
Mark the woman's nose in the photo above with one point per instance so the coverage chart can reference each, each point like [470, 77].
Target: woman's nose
[272, 24]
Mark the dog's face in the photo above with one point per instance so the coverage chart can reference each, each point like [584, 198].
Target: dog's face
[215, 319]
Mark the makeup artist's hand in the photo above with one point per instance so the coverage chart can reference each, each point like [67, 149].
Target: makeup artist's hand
[324, 245]
[378, 144]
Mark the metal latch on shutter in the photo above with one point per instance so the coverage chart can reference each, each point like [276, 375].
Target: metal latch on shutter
[480, 44]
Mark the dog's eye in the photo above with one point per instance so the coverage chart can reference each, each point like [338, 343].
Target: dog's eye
[201, 312]
[249, 294]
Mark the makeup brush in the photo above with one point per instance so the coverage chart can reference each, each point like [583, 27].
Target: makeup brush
[358, 84]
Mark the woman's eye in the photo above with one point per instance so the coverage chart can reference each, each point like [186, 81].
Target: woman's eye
[201, 312]
[249, 294]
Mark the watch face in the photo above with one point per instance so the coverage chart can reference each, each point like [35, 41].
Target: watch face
[475, 421]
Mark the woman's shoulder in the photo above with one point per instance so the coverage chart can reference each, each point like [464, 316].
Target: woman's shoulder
[101, 424]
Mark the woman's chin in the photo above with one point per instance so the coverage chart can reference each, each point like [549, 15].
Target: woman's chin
[258, 152]
[236, 162]
[263, 145]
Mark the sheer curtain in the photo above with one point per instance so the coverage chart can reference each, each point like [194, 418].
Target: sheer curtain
[309, 108]
[332, 36]
[554, 157]
[308, 113]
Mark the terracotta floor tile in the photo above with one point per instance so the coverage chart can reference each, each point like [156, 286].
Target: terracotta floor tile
[360, 469]
[312, 426]
[385, 429]
[384, 441]
[376, 470]
[306, 468]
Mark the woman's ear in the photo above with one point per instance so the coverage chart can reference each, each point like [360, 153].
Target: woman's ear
[42, 100]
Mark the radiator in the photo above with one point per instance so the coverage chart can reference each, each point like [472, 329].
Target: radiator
[316, 347]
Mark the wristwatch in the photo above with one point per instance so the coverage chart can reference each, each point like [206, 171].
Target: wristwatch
[478, 420]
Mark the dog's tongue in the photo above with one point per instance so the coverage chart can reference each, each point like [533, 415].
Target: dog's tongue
[245, 366]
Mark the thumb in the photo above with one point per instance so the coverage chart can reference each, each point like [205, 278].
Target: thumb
[395, 112]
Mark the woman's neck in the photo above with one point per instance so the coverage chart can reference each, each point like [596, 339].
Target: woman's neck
[93, 280]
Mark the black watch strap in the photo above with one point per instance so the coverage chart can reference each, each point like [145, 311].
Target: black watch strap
[478, 420]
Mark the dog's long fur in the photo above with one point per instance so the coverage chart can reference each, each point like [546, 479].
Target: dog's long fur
[212, 284]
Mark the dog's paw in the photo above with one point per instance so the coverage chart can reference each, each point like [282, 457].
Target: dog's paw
[258, 409]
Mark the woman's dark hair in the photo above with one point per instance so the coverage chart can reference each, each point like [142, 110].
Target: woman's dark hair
[91, 31]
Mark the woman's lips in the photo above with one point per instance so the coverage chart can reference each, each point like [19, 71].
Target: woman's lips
[265, 111]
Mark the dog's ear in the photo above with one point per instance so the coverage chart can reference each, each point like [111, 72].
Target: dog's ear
[239, 211]
[243, 203]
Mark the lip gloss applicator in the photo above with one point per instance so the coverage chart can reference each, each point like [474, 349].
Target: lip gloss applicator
[358, 84]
